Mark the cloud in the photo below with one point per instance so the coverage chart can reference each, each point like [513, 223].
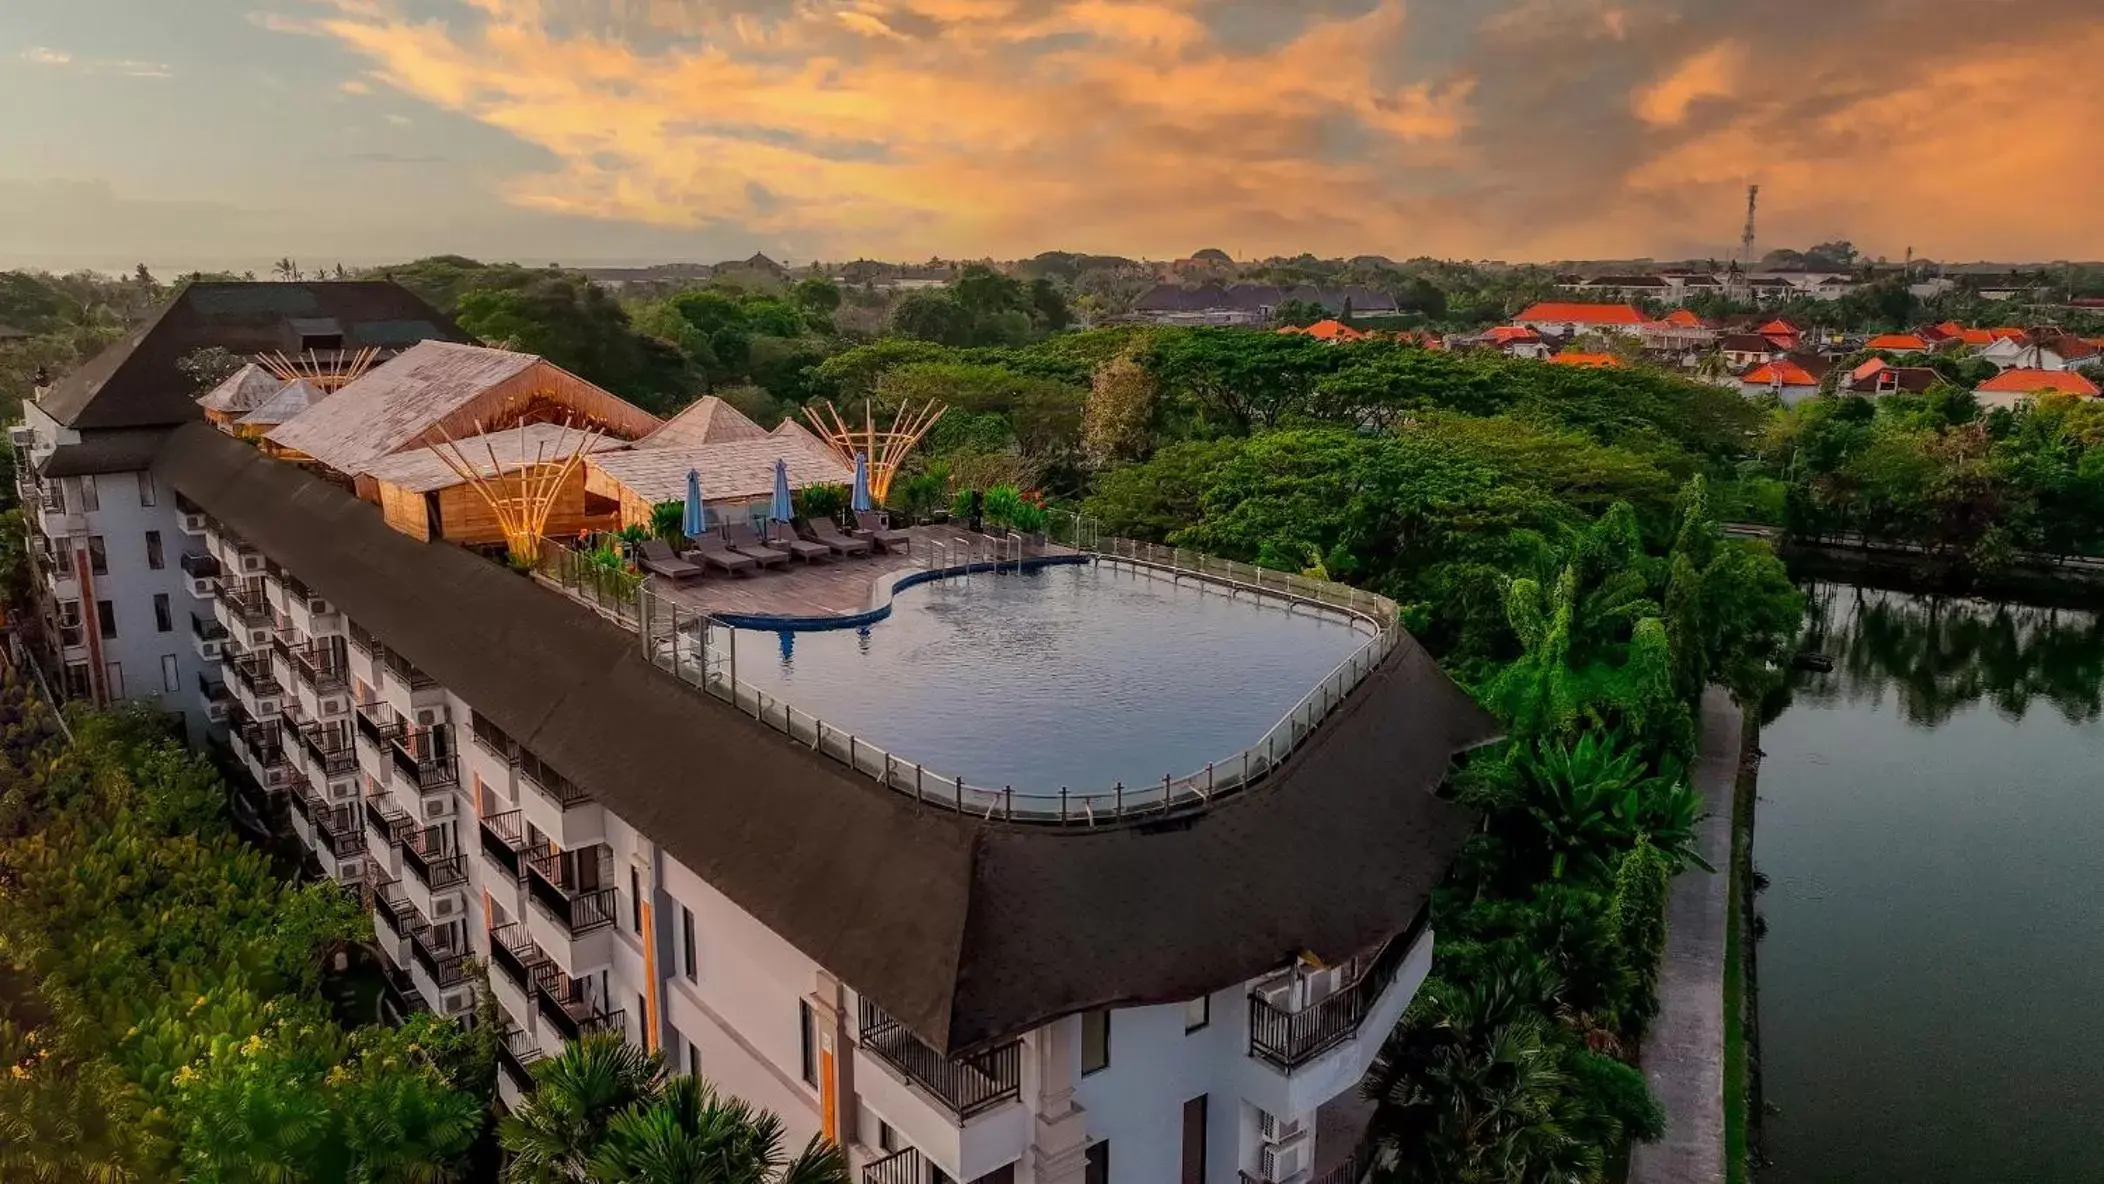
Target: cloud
[1480, 128]
[398, 120]
[43, 55]
[354, 86]
[395, 158]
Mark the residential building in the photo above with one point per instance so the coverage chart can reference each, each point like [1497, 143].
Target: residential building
[1878, 377]
[2015, 386]
[1517, 341]
[115, 556]
[1898, 343]
[1570, 320]
[1586, 361]
[952, 990]
[1742, 350]
[1253, 304]
[1788, 379]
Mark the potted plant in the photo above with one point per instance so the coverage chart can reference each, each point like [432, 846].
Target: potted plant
[1003, 503]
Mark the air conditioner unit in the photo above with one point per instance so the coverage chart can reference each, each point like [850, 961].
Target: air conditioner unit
[443, 906]
[332, 707]
[1278, 994]
[318, 607]
[1283, 1161]
[1278, 1130]
[427, 718]
[434, 809]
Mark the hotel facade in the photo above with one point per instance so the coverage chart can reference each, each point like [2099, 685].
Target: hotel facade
[510, 777]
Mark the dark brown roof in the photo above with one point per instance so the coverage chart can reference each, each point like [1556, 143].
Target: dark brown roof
[126, 450]
[134, 383]
[1912, 379]
[968, 932]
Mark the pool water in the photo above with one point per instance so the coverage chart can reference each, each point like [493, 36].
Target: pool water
[1070, 676]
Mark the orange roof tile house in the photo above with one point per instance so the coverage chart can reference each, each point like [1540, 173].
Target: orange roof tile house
[2011, 387]
[1782, 377]
[1590, 361]
[1568, 320]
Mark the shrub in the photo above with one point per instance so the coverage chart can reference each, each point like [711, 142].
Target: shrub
[1003, 502]
[822, 501]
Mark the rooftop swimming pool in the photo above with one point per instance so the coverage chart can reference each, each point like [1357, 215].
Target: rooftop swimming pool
[1071, 675]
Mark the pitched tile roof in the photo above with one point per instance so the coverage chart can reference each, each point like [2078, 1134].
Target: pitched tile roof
[1891, 379]
[420, 470]
[135, 383]
[2033, 382]
[1333, 331]
[1681, 318]
[1903, 343]
[730, 469]
[1789, 372]
[1582, 314]
[1511, 334]
[393, 404]
[1596, 361]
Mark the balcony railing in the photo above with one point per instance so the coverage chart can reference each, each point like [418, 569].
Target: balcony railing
[900, 1167]
[492, 739]
[407, 674]
[360, 639]
[504, 840]
[245, 599]
[424, 758]
[967, 1086]
[339, 824]
[253, 671]
[383, 895]
[1292, 1038]
[517, 1052]
[375, 723]
[431, 863]
[447, 967]
[329, 750]
[316, 666]
[551, 784]
[566, 1003]
[1348, 1172]
[199, 566]
[574, 897]
[387, 822]
[207, 628]
[211, 688]
[515, 954]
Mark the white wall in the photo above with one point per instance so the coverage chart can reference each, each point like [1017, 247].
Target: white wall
[1155, 1066]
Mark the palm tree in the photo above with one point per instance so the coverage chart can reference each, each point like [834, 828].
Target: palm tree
[555, 1132]
[412, 1130]
[690, 1134]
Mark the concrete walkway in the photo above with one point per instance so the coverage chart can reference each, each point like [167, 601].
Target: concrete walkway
[1684, 1050]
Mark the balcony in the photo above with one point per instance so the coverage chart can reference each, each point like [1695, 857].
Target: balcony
[491, 739]
[566, 886]
[966, 1086]
[1288, 1030]
[199, 566]
[424, 759]
[514, 953]
[338, 825]
[433, 866]
[376, 724]
[448, 967]
[194, 520]
[316, 666]
[360, 639]
[386, 822]
[568, 1004]
[383, 895]
[517, 1052]
[504, 841]
[330, 750]
[210, 636]
[246, 601]
[254, 674]
[399, 668]
[552, 785]
[900, 1167]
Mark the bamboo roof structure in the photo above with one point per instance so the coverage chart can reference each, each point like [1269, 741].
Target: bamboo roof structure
[886, 447]
[524, 500]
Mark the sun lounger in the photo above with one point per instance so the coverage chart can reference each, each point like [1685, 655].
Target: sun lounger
[784, 539]
[659, 560]
[746, 541]
[877, 529]
[711, 551]
[830, 534]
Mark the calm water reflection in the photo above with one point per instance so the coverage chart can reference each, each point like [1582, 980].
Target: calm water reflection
[1932, 820]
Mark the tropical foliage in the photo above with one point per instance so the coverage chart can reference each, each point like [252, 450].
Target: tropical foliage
[181, 1030]
[606, 1112]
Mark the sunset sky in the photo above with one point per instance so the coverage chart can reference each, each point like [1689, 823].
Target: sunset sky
[192, 133]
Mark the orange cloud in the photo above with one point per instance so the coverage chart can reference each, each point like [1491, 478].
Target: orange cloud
[1557, 129]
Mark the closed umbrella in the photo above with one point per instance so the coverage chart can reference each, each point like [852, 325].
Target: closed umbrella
[695, 522]
[783, 509]
[861, 503]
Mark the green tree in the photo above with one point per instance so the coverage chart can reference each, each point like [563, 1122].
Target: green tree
[690, 1134]
[555, 1132]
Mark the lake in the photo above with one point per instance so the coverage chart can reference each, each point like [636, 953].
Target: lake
[1931, 820]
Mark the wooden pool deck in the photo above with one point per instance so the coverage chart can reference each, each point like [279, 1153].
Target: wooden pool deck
[837, 587]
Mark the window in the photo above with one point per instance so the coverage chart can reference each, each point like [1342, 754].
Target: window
[1095, 1166]
[686, 936]
[1095, 1041]
[89, 498]
[145, 488]
[1198, 1013]
[1194, 1140]
[693, 1057]
[77, 679]
[807, 1036]
[642, 1020]
[98, 556]
[154, 559]
[163, 620]
[887, 1139]
[106, 618]
[114, 676]
[171, 678]
[635, 898]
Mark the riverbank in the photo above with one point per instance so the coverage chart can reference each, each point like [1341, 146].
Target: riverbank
[1684, 1051]
[2032, 579]
[1742, 1035]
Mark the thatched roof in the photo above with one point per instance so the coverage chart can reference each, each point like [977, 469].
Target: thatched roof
[421, 470]
[242, 391]
[394, 404]
[707, 420]
[292, 400]
[730, 470]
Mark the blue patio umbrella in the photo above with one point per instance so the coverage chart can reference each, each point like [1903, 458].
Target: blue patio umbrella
[695, 522]
[861, 503]
[783, 509]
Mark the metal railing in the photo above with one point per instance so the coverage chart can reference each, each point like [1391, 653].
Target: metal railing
[387, 821]
[702, 651]
[383, 895]
[555, 890]
[569, 1005]
[551, 784]
[245, 599]
[504, 840]
[1290, 1039]
[403, 671]
[515, 955]
[424, 758]
[492, 739]
[424, 854]
[900, 1167]
[967, 1085]
[339, 824]
[518, 1051]
[199, 566]
[330, 750]
[447, 967]
[316, 666]
[207, 628]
